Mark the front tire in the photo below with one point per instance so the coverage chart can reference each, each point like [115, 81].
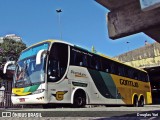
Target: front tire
[79, 100]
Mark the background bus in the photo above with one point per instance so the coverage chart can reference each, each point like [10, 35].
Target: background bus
[56, 72]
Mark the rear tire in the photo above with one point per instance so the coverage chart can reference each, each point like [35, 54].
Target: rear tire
[141, 102]
[135, 103]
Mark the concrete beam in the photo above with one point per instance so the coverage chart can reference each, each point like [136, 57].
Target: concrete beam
[114, 4]
[130, 19]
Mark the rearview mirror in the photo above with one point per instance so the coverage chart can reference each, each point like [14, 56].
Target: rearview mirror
[6, 65]
[39, 55]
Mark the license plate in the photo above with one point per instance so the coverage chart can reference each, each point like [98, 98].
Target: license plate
[22, 99]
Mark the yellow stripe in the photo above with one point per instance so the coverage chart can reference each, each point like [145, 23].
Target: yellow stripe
[19, 91]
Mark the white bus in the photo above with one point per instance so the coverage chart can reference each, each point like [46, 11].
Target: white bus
[56, 72]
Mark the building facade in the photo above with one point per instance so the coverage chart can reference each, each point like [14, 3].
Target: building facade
[11, 36]
[147, 56]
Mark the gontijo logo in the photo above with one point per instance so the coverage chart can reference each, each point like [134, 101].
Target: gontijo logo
[128, 83]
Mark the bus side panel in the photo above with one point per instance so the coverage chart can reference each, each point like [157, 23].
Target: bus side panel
[93, 84]
[59, 92]
[128, 87]
[106, 90]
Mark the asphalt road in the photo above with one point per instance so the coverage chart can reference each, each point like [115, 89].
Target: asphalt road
[149, 112]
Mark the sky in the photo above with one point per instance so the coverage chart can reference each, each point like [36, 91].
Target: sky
[82, 22]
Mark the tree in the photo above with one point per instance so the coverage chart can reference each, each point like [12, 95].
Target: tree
[10, 50]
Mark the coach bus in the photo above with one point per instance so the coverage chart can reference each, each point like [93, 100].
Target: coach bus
[56, 72]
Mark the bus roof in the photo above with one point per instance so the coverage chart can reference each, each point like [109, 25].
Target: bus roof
[120, 62]
[49, 40]
[103, 55]
[96, 53]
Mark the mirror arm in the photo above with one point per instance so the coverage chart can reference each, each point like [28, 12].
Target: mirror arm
[6, 65]
[39, 54]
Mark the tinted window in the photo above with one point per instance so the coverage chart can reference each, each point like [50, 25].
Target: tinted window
[106, 65]
[58, 60]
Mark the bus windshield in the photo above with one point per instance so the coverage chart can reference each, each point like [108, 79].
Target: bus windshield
[27, 72]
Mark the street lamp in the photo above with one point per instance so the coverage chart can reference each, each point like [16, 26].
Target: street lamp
[58, 10]
[128, 46]
[59, 20]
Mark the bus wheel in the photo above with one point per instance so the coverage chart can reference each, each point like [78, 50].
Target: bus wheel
[135, 103]
[79, 100]
[141, 102]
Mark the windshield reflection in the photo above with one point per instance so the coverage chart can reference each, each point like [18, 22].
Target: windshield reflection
[28, 73]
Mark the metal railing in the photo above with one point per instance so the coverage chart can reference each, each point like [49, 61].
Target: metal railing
[5, 100]
[6, 103]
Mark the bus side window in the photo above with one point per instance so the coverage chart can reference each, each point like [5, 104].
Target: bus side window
[73, 59]
[92, 63]
[78, 59]
[125, 71]
[140, 76]
[144, 77]
[114, 68]
[121, 70]
[98, 64]
[106, 66]
[84, 61]
[135, 74]
[130, 73]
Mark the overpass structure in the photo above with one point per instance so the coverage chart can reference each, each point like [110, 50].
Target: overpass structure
[128, 17]
[147, 58]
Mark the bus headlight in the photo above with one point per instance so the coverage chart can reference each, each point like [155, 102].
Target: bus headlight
[38, 91]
